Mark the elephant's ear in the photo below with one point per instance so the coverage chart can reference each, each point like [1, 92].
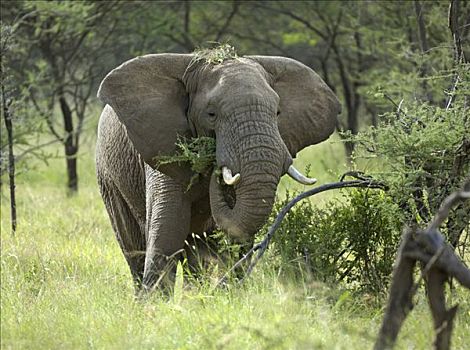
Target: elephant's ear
[151, 101]
[308, 107]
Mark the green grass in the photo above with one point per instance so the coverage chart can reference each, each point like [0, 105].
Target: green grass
[65, 285]
[326, 162]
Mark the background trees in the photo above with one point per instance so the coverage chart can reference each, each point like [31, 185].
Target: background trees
[375, 55]
[58, 46]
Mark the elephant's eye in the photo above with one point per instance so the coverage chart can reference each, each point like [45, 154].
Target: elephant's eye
[278, 112]
[212, 117]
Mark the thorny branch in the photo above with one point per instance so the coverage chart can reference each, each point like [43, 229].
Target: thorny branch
[361, 181]
[448, 204]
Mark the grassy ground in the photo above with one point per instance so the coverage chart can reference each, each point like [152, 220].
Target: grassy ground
[65, 285]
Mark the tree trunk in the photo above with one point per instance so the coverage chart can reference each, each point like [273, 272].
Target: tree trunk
[72, 177]
[70, 148]
[11, 157]
[424, 47]
[186, 29]
[353, 101]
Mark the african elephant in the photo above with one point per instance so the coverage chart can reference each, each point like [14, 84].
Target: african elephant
[261, 110]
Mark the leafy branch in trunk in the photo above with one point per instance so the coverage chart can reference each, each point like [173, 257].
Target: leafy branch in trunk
[199, 153]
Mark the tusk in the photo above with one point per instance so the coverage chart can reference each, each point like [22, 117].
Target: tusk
[297, 176]
[229, 179]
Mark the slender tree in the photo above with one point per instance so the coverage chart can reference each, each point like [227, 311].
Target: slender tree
[7, 117]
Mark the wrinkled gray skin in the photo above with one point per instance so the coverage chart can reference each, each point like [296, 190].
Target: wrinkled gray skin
[261, 110]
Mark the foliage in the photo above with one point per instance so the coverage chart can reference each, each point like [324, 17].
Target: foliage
[55, 60]
[352, 240]
[27, 126]
[198, 152]
[70, 46]
[424, 150]
[216, 55]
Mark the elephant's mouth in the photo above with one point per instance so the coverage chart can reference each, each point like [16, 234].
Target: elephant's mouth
[229, 195]
[242, 208]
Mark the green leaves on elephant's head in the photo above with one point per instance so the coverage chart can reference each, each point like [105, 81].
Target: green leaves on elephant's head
[216, 55]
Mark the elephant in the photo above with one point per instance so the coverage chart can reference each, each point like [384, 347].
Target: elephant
[261, 110]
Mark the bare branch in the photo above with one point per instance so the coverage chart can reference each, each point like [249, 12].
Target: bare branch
[448, 204]
[223, 29]
[255, 39]
[35, 148]
[423, 42]
[46, 116]
[299, 19]
[443, 318]
[8, 117]
[441, 263]
[333, 35]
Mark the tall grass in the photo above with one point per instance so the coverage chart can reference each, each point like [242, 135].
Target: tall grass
[65, 285]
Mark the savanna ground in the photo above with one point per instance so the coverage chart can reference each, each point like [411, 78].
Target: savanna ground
[65, 285]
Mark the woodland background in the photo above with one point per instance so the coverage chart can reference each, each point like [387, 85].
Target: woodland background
[401, 72]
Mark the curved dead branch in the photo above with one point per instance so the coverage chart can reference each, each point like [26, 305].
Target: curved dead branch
[361, 181]
[440, 264]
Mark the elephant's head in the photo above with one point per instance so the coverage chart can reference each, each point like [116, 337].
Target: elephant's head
[261, 110]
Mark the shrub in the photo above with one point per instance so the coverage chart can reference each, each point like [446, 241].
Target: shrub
[424, 153]
[352, 240]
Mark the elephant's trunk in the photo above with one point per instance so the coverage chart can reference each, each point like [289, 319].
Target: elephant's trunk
[251, 209]
[261, 159]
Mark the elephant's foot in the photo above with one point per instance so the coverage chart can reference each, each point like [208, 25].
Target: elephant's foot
[160, 272]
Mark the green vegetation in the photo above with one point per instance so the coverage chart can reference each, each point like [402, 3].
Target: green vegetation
[424, 153]
[199, 153]
[216, 55]
[65, 284]
[333, 244]
[402, 74]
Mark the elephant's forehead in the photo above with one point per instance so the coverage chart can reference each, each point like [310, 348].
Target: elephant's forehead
[239, 77]
[240, 68]
[243, 78]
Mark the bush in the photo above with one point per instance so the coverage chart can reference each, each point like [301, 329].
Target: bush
[352, 240]
[424, 153]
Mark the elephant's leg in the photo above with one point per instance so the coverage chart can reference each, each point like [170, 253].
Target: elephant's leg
[201, 249]
[168, 225]
[128, 232]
